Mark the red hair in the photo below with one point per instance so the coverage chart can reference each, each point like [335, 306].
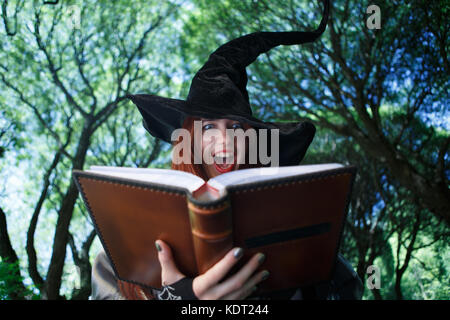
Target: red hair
[198, 169]
[133, 291]
[191, 167]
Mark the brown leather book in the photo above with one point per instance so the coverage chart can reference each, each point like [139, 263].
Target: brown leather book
[294, 215]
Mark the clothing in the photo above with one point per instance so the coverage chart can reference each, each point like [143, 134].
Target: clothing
[104, 282]
[345, 284]
[219, 91]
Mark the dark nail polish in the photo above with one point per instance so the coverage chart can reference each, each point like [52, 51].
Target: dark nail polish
[238, 253]
[261, 258]
[265, 275]
[158, 247]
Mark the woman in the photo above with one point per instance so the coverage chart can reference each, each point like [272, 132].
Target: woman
[218, 96]
[345, 283]
[206, 286]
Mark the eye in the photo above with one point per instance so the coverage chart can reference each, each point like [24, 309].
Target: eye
[236, 125]
[207, 126]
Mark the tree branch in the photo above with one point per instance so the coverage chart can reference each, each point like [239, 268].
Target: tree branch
[19, 6]
[37, 113]
[8, 254]
[51, 66]
[79, 56]
[31, 252]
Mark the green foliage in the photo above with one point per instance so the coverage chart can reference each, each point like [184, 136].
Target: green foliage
[11, 283]
[371, 220]
[55, 77]
[399, 83]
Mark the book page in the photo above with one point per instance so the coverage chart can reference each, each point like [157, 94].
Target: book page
[167, 177]
[206, 193]
[245, 176]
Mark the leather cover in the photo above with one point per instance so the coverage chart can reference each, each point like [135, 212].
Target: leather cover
[296, 222]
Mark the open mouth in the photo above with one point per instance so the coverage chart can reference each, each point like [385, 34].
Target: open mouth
[224, 161]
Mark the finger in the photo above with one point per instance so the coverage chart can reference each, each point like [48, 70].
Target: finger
[217, 271]
[237, 281]
[169, 271]
[249, 287]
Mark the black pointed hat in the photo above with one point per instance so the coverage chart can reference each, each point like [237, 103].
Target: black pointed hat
[218, 90]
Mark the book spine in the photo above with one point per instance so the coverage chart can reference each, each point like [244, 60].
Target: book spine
[211, 233]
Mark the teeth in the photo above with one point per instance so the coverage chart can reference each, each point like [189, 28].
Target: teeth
[224, 157]
[223, 154]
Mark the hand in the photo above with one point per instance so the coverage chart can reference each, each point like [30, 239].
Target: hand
[206, 286]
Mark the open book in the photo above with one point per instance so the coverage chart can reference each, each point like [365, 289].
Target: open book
[294, 215]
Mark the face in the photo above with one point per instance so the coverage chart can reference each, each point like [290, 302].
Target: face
[225, 151]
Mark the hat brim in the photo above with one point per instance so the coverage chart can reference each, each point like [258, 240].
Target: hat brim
[161, 116]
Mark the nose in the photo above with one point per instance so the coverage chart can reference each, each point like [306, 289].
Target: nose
[224, 140]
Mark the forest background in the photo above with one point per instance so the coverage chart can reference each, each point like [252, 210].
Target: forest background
[378, 97]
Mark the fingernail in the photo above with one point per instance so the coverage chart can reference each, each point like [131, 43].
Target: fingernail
[265, 275]
[261, 258]
[238, 253]
[158, 247]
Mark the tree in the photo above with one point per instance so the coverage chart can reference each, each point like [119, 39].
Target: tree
[377, 98]
[70, 81]
[378, 87]
[381, 92]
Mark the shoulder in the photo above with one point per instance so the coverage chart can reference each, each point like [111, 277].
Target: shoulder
[104, 282]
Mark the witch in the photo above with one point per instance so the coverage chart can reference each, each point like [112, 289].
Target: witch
[218, 99]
